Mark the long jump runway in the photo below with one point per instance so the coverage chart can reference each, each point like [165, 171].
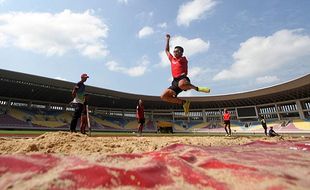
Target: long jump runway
[255, 165]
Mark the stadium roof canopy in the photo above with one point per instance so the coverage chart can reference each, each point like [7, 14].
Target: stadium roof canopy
[15, 85]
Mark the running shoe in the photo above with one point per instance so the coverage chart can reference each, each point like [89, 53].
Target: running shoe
[186, 107]
[204, 89]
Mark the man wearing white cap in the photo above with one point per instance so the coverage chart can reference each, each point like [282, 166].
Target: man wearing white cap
[78, 94]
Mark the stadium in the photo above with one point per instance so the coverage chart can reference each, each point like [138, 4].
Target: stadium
[38, 152]
[37, 103]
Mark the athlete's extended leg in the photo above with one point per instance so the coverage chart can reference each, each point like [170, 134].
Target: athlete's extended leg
[184, 84]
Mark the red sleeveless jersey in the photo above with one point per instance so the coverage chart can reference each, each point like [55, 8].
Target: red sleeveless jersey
[140, 112]
[178, 66]
[226, 116]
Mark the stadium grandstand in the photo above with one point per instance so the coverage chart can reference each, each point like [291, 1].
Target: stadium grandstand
[40, 103]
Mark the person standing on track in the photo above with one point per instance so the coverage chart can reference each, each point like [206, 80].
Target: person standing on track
[140, 116]
[264, 124]
[226, 118]
[78, 94]
[180, 80]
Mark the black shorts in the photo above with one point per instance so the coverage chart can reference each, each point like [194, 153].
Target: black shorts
[175, 84]
[227, 122]
[141, 120]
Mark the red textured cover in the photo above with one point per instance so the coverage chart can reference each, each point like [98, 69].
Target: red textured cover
[256, 165]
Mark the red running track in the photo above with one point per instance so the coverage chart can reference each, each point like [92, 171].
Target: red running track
[257, 165]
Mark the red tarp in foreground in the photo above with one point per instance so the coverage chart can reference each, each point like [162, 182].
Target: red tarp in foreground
[257, 165]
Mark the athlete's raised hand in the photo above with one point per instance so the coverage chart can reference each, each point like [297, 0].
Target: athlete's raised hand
[167, 43]
[168, 36]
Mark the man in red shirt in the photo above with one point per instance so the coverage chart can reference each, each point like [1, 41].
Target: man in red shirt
[180, 80]
[140, 116]
[226, 118]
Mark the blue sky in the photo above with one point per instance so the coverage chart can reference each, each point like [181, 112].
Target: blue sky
[232, 46]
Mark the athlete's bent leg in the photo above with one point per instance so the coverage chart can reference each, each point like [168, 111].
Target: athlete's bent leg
[170, 96]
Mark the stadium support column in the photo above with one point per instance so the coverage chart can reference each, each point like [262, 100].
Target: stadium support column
[204, 117]
[277, 111]
[299, 109]
[8, 104]
[172, 116]
[29, 105]
[152, 115]
[257, 112]
[221, 114]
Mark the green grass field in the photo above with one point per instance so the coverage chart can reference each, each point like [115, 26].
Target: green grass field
[31, 133]
[37, 132]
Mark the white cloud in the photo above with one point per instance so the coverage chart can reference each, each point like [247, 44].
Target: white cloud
[260, 55]
[55, 34]
[3, 40]
[145, 31]
[266, 79]
[123, 1]
[191, 47]
[135, 71]
[188, 93]
[162, 25]
[2, 1]
[60, 78]
[195, 71]
[144, 17]
[194, 10]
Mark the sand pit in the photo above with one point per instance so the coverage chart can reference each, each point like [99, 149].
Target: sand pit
[76, 143]
[63, 160]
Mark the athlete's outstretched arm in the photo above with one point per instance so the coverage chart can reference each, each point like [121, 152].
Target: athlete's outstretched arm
[168, 44]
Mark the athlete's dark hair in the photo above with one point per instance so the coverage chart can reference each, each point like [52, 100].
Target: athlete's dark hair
[180, 48]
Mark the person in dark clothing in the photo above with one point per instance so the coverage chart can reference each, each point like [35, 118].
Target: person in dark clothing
[272, 133]
[264, 124]
[78, 94]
